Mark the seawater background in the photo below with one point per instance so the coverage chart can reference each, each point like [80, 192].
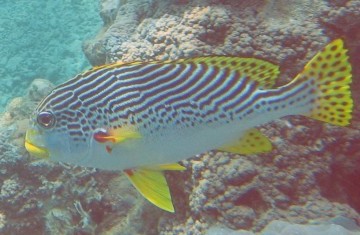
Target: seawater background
[42, 39]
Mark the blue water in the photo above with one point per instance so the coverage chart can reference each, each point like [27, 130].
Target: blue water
[42, 39]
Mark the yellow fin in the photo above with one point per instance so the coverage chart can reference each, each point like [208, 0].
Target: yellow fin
[112, 65]
[251, 142]
[167, 167]
[265, 73]
[123, 133]
[332, 72]
[151, 183]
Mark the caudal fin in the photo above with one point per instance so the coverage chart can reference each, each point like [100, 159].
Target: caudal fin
[331, 72]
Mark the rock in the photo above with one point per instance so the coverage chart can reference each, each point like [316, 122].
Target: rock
[38, 89]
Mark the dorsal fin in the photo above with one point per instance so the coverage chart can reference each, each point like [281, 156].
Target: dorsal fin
[114, 65]
[264, 72]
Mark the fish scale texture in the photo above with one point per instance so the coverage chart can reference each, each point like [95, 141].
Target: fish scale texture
[310, 174]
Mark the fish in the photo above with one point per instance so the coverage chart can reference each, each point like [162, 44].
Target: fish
[142, 118]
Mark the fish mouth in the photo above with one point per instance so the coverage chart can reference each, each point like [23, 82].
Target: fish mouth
[33, 148]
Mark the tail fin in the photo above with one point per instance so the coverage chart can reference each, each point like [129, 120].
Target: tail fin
[331, 72]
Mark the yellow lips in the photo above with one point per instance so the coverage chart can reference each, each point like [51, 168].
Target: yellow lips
[34, 150]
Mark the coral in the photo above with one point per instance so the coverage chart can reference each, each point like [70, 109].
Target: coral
[278, 227]
[38, 89]
[2, 220]
[58, 221]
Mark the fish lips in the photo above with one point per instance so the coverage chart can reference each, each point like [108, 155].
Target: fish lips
[32, 145]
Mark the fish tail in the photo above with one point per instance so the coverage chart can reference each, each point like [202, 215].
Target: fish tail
[328, 74]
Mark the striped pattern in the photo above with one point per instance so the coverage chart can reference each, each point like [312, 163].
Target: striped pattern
[155, 95]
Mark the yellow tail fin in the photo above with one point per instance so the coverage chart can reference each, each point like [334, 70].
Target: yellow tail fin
[331, 72]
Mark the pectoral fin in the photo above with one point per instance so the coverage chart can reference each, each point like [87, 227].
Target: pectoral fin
[116, 135]
[151, 183]
[251, 142]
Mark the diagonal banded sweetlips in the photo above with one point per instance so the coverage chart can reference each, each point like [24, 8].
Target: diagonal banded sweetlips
[142, 117]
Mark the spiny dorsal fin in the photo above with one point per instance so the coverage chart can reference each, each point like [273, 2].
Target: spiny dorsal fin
[251, 142]
[265, 73]
[116, 65]
[151, 183]
[331, 72]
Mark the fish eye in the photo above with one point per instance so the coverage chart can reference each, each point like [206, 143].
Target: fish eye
[46, 119]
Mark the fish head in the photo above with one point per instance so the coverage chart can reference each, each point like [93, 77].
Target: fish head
[57, 137]
[67, 127]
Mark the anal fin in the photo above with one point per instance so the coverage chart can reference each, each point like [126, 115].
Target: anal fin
[251, 142]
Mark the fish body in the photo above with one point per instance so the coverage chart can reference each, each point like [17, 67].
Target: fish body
[177, 109]
[141, 115]
[175, 120]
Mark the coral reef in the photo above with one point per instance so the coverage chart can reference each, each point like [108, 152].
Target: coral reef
[309, 176]
[277, 227]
